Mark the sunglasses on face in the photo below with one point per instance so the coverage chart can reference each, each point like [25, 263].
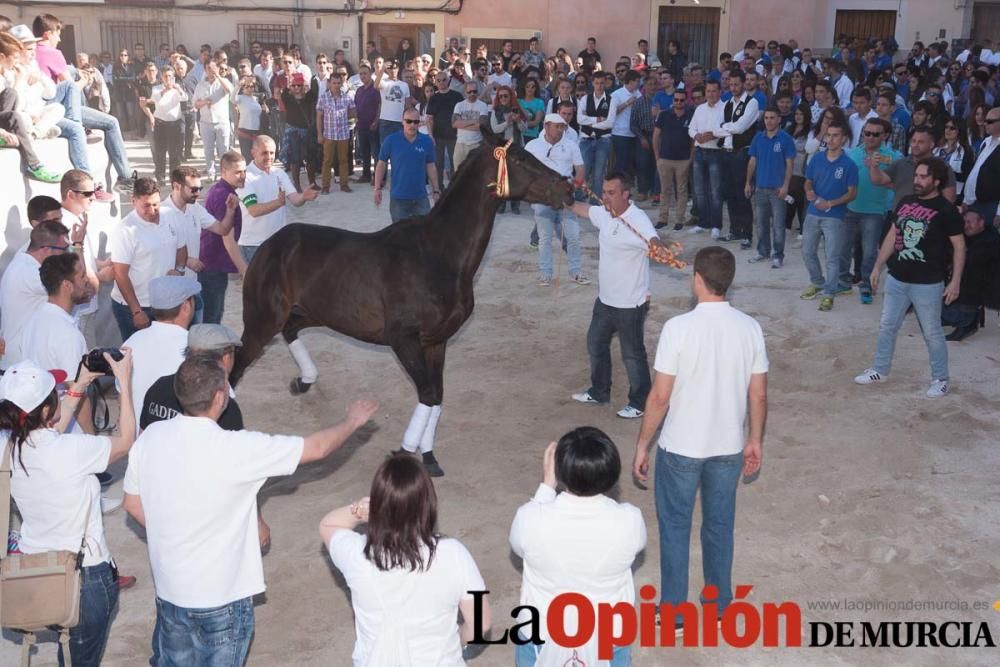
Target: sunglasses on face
[410, 121]
[193, 189]
[990, 121]
[90, 193]
[933, 94]
[60, 248]
[471, 92]
[873, 134]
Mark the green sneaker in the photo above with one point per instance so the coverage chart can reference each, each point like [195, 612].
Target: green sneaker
[3, 142]
[40, 173]
[844, 290]
[810, 292]
[826, 304]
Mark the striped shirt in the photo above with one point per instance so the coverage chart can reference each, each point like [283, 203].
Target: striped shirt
[335, 115]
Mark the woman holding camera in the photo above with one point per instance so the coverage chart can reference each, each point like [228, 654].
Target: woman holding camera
[407, 582]
[54, 484]
[579, 540]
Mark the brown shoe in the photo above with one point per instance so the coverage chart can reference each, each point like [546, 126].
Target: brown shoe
[344, 187]
[325, 190]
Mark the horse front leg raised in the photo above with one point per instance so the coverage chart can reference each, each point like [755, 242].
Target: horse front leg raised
[425, 367]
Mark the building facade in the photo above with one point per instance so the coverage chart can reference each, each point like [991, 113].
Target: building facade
[705, 28]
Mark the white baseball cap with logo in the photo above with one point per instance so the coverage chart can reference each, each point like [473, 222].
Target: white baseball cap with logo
[27, 386]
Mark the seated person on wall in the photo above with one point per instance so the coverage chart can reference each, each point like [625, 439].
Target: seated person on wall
[979, 278]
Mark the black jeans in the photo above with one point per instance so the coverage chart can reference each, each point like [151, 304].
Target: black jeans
[629, 324]
[188, 120]
[367, 140]
[442, 146]
[734, 178]
[168, 136]
[213, 292]
[959, 315]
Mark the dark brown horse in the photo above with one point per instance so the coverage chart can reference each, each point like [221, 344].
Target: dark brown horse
[408, 285]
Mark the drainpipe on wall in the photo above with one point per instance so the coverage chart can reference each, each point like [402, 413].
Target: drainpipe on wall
[297, 32]
[361, 37]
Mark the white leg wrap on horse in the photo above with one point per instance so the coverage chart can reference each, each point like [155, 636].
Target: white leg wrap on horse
[418, 422]
[307, 369]
[427, 439]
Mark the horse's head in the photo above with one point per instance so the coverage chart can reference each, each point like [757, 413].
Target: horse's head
[527, 178]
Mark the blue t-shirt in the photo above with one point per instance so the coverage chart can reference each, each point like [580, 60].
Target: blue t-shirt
[408, 161]
[771, 153]
[872, 199]
[663, 100]
[675, 143]
[830, 180]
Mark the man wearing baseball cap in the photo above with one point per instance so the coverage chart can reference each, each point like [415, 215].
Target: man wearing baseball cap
[563, 156]
[159, 349]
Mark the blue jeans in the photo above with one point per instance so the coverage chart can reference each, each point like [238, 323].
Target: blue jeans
[770, 210]
[546, 218]
[123, 316]
[401, 209]
[248, 251]
[677, 481]
[213, 291]
[385, 128]
[869, 226]
[526, 655]
[706, 174]
[76, 137]
[832, 230]
[295, 145]
[624, 154]
[215, 637]
[926, 301]
[629, 324]
[595, 160]
[98, 599]
[68, 95]
[734, 178]
[113, 142]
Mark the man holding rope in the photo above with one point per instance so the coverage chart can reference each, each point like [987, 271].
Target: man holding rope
[626, 239]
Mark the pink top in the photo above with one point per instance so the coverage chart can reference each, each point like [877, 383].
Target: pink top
[51, 61]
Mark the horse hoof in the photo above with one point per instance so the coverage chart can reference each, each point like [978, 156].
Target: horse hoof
[299, 387]
[431, 465]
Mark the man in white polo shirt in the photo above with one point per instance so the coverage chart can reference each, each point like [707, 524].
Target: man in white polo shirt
[194, 487]
[710, 362]
[158, 349]
[145, 247]
[21, 289]
[77, 193]
[562, 155]
[624, 235]
[264, 196]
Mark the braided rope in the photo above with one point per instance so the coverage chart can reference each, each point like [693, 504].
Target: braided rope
[503, 182]
[658, 252]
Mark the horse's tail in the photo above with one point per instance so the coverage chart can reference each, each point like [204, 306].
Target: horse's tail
[269, 292]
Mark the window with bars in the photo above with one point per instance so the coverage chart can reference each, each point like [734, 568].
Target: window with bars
[696, 28]
[126, 34]
[494, 46]
[270, 35]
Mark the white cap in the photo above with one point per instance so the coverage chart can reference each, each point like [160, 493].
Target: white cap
[27, 386]
[24, 35]
[554, 118]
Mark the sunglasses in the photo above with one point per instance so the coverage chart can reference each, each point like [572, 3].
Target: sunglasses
[60, 248]
[503, 96]
[193, 190]
[873, 134]
[90, 193]
[933, 94]
[990, 121]
[410, 121]
[471, 92]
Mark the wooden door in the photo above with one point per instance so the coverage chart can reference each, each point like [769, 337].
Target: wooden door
[985, 24]
[864, 24]
[388, 35]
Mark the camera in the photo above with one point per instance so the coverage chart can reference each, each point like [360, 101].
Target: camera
[95, 362]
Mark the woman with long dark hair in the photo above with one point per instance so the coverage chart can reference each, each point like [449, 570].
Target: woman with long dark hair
[977, 127]
[507, 120]
[797, 185]
[405, 51]
[816, 141]
[954, 149]
[407, 582]
[54, 482]
[533, 108]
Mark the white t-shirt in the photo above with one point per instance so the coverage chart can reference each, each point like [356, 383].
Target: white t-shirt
[394, 94]
[502, 79]
[21, 293]
[262, 187]
[218, 110]
[157, 350]
[570, 543]
[168, 102]
[198, 485]
[51, 339]
[55, 492]
[150, 250]
[89, 257]
[621, 126]
[468, 111]
[623, 263]
[561, 157]
[712, 350]
[249, 116]
[857, 124]
[421, 621]
[188, 223]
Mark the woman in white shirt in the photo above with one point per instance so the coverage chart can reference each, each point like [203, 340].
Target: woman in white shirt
[249, 112]
[578, 541]
[407, 582]
[54, 484]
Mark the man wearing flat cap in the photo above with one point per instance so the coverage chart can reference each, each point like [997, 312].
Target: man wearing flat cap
[159, 349]
[563, 155]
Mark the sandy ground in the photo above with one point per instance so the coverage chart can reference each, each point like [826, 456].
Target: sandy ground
[866, 494]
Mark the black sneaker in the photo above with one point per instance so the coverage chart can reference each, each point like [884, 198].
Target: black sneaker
[431, 465]
[125, 185]
[660, 225]
[679, 226]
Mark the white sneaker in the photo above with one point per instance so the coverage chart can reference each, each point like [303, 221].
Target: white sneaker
[697, 230]
[715, 234]
[937, 389]
[776, 263]
[628, 412]
[871, 376]
[110, 504]
[585, 397]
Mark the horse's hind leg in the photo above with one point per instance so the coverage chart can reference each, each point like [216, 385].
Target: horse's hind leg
[308, 372]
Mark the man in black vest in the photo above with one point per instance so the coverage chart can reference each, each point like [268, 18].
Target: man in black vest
[982, 187]
[737, 132]
[595, 115]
